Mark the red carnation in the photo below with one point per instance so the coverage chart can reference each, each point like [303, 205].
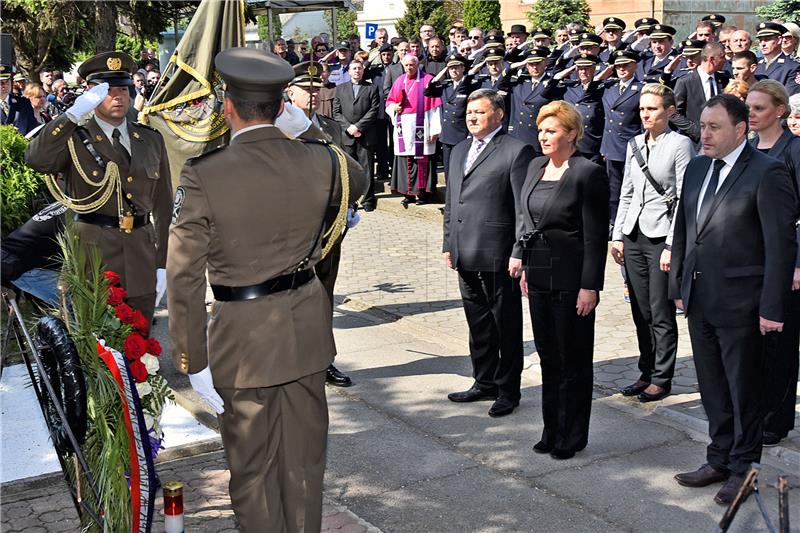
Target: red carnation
[112, 278]
[138, 371]
[153, 347]
[140, 323]
[135, 346]
[116, 295]
[124, 313]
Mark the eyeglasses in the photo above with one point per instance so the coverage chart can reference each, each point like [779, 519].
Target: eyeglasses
[475, 37]
[321, 50]
[452, 33]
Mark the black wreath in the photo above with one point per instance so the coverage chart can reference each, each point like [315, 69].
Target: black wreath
[62, 365]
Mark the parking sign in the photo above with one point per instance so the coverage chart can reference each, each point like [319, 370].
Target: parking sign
[370, 29]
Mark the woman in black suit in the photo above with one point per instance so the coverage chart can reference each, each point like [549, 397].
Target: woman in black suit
[562, 221]
[768, 102]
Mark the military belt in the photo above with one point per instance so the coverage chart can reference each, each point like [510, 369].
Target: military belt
[106, 221]
[271, 286]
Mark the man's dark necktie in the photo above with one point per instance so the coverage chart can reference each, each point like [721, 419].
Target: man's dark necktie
[713, 85]
[115, 142]
[711, 190]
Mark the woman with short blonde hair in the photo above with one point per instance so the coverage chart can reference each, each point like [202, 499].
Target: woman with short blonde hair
[562, 215]
[38, 98]
[737, 88]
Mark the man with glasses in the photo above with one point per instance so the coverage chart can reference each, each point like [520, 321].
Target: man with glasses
[476, 39]
[775, 64]
[426, 33]
[791, 40]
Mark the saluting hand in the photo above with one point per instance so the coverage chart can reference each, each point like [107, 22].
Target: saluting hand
[87, 102]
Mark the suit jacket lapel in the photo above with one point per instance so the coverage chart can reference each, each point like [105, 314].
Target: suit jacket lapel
[692, 198]
[488, 149]
[732, 177]
[778, 147]
[628, 92]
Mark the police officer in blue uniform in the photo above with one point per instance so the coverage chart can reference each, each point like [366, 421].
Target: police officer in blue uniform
[454, 92]
[586, 43]
[529, 92]
[689, 59]
[586, 94]
[621, 108]
[612, 35]
[775, 64]
[661, 53]
[495, 76]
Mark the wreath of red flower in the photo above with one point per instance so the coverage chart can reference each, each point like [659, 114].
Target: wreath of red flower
[112, 278]
[138, 371]
[153, 347]
[135, 346]
[139, 322]
[116, 295]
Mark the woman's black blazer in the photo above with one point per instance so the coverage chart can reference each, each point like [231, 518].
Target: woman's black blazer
[574, 226]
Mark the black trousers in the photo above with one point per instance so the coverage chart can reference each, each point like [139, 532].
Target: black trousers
[781, 369]
[446, 150]
[328, 269]
[384, 149]
[653, 311]
[615, 171]
[565, 342]
[729, 365]
[493, 307]
[365, 156]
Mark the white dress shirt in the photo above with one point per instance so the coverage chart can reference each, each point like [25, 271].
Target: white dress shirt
[489, 137]
[108, 129]
[730, 160]
[704, 76]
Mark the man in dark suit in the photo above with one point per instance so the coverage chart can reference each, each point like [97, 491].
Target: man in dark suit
[486, 174]
[14, 110]
[693, 90]
[733, 257]
[355, 108]
[376, 73]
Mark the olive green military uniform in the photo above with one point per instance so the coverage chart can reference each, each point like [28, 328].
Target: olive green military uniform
[146, 184]
[248, 213]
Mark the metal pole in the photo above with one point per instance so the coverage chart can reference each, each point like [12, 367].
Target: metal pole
[334, 39]
[271, 29]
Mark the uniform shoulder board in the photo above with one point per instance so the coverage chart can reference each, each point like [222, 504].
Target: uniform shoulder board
[781, 60]
[323, 142]
[195, 159]
[145, 126]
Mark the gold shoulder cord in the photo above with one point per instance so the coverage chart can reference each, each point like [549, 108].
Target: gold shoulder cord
[339, 224]
[105, 187]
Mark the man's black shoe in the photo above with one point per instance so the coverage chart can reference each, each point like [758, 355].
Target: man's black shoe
[336, 378]
[702, 477]
[473, 394]
[541, 447]
[502, 407]
[370, 205]
[772, 439]
[729, 490]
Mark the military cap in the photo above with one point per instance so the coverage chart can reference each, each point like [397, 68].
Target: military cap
[290, 41]
[494, 42]
[518, 28]
[692, 47]
[716, 20]
[575, 35]
[662, 31]
[19, 77]
[5, 72]
[496, 34]
[343, 45]
[386, 48]
[114, 68]
[590, 39]
[494, 54]
[537, 54]
[307, 74]
[622, 57]
[644, 24]
[454, 60]
[613, 23]
[770, 29]
[541, 33]
[253, 74]
[586, 60]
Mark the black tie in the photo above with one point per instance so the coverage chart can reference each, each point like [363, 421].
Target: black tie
[118, 146]
[713, 90]
[711, 190]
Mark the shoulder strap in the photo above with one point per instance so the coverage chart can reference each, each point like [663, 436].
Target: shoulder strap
[334, 172]
[645, 169]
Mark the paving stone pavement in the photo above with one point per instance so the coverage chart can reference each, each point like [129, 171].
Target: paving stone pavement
[392, 264]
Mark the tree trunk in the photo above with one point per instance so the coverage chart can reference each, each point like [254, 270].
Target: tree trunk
[105, 26]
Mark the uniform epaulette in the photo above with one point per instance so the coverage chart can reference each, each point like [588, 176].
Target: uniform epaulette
[313, 141]
[145, 126]
[195, 159]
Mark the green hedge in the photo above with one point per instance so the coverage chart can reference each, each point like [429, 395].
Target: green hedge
[22, 190]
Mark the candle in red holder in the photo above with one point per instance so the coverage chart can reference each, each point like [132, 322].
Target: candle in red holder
[173, 507]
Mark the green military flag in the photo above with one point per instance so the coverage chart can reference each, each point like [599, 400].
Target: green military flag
[188, 108]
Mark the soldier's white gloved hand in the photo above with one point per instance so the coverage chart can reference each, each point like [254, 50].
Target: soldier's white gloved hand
[161, 284]
[292, 121]
[85, 103]
[352, 218]
[203, 384]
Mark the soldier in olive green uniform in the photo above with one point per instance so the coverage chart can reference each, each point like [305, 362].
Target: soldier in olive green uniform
[252, 214]
[131, 227]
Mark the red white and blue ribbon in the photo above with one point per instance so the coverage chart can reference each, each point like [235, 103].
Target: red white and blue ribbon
[143, 481]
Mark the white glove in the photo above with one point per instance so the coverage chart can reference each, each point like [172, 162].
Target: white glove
[352, 218]
[203, 384]
[292, 121]
[161, 284]
[85, 103]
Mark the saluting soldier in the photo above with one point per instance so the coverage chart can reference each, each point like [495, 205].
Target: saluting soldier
[454, 92]
[586, 94]
[529, 92]
[684, 63]
[131, 227]
[612, 36]
[270, 336]
[661, 53]
[621, 109]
